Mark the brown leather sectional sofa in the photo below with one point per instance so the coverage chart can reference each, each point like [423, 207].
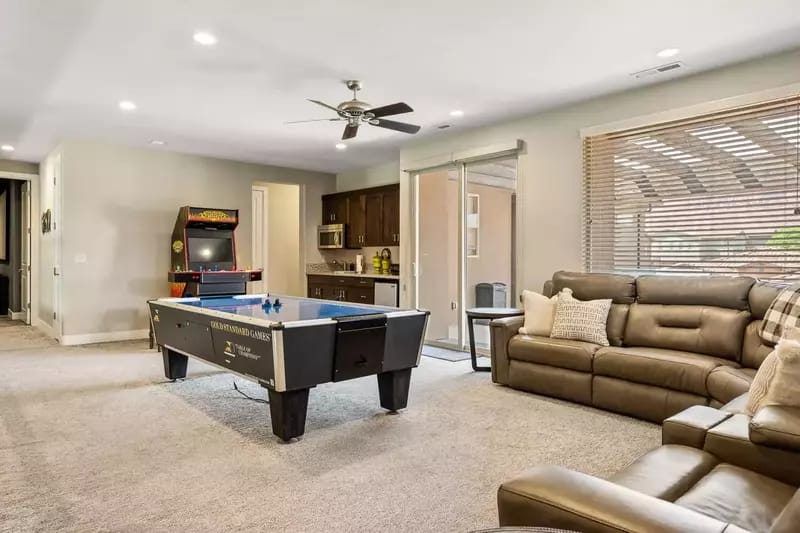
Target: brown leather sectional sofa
[675, 342]
[717, 471]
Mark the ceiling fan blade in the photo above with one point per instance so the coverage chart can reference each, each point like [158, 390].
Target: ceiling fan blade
[391, 109]
[314, 120]
[397, 126]
[350, 131]
[323, 104]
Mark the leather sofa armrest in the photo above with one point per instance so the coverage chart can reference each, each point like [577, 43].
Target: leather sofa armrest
[689, 427]
[730, 442]
[502, 329]
[552, 496]
[777, 426]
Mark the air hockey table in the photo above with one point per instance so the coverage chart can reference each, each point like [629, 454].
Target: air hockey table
[289, 345]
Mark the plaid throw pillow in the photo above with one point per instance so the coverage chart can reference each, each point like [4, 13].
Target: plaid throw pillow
[784, 312]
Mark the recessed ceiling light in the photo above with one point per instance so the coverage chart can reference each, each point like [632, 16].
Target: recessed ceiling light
[668, 52]
[341, 146]
[205, 38]
[127, 105]
[7, 148]
[156, 142]
[456, 113]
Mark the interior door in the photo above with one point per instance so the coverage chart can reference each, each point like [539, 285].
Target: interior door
[56, 236]
[25, 260]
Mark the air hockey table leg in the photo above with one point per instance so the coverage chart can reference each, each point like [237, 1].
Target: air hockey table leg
[288, 412]
[393, 389]
[174, 364]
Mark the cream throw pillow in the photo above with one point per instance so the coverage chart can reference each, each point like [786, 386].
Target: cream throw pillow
[581, 321]
[539, 312]
[777, 381]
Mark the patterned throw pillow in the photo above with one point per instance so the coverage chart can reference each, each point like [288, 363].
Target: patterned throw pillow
[580, 321]
[777, 381]
[784, 312]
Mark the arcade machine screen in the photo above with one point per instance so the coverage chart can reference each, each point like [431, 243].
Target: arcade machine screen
[209, 250]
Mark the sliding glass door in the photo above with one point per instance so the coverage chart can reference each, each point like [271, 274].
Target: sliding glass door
[465, 246]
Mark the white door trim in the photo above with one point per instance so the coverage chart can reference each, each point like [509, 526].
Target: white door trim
[260, 235]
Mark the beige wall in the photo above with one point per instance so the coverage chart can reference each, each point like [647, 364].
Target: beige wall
[550, 168]
[375, 176]
[10, 165]
[120, 205]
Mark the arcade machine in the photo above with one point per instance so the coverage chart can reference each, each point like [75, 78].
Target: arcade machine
[204, 254]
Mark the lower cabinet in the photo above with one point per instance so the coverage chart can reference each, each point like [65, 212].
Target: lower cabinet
[342, 289]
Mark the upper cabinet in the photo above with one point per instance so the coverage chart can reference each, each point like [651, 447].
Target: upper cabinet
[372, 215]
[334, 209]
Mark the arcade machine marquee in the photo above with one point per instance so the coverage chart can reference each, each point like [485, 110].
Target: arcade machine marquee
[204, 254]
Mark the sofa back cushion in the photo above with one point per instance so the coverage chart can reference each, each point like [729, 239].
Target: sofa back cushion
[754, 349]
[761, 297]
[702, 329]
[713, 291]
[619, 288]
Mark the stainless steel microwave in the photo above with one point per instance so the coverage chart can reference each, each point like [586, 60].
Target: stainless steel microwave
[330, 236]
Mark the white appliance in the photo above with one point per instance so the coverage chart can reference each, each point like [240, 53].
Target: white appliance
[386, 292]
[330, 236]
[359, 263]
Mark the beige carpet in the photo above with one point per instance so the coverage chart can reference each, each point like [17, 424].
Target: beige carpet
[93, 439]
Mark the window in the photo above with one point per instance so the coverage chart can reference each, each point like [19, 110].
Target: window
[715, 194]
[473, 225]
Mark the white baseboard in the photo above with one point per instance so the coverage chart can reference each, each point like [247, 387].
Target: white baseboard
[110, 336]
[16, 315]
[44, 327]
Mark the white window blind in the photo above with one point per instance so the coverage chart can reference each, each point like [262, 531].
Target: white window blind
[715, 194]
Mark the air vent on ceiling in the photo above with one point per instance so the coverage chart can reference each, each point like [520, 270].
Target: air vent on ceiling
[661, 69]
[443, 126]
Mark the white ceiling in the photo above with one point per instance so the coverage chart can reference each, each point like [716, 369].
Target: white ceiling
[65, 65]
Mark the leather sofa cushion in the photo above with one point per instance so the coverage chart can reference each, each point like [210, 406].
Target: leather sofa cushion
[778, 426]
[789, 518]
[737, 406]
[726, 383]
[669, 369]
[732, 494]
[621, 289]
[689, 427]
[692, 328]
[561, 353]
[730, 442]
[712, 291]
[667, 472]
[754, 349]
[761, 296]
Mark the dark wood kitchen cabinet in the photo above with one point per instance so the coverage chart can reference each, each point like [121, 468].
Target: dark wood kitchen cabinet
[372, 215]
[390, 221]
[342, 288]
[334, 208]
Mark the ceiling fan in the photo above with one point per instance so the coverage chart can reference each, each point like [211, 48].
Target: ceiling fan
[356, 112]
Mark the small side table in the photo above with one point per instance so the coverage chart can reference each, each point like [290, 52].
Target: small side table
[490, 313]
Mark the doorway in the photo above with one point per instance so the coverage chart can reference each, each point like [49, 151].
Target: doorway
[277, 238]
[465, 246]
[15, 247]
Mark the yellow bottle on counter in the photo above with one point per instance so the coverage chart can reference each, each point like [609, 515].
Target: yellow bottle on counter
[376, 263]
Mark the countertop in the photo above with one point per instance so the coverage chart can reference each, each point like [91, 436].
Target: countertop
[355, 275]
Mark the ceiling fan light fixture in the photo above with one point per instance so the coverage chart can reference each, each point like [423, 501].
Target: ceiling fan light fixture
[7, 148]
[341, 146]
[456, 113]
